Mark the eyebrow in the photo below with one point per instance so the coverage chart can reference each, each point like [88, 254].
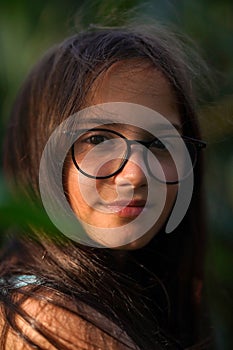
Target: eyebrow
[105, 121]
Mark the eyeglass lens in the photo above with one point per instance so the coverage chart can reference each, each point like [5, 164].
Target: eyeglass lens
[103, 153]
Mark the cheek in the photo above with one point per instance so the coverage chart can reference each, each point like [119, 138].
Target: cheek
[106, 190]
[71, 186]
[82, 192]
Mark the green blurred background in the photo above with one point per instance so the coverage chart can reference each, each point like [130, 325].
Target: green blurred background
[28, 28]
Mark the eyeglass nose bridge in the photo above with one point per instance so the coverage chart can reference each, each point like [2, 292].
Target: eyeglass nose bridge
[146, 147]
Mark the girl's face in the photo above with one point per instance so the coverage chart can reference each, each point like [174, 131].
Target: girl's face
[148, 87]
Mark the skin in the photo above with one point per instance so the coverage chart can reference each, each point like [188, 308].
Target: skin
[142, 85]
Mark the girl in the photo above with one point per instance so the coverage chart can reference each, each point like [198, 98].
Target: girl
[140, 289]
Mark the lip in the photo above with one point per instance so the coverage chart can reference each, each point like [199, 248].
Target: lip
[127, 209]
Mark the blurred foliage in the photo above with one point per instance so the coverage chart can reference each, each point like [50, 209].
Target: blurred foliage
[19, 211]
[28, 28]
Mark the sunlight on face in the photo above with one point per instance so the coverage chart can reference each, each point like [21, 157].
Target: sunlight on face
[141, 85]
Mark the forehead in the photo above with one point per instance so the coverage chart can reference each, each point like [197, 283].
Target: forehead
[136, 81]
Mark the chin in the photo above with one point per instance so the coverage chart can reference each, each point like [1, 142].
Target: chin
[138, 243]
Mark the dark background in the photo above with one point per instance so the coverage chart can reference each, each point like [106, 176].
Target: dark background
[28, 28]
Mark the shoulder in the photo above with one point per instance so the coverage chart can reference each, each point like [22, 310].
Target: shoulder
[51, 327]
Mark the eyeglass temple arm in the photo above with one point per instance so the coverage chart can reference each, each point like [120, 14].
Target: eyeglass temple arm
[198, 143]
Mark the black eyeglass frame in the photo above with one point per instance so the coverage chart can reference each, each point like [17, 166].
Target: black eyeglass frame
[199, 144]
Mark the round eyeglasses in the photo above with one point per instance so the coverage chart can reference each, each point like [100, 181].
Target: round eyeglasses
[102, 153]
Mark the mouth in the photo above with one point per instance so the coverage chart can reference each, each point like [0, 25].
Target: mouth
[126, 209]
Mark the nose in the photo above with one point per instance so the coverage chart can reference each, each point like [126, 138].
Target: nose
[134, 172]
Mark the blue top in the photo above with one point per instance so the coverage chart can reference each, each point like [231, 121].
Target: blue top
[19, 281]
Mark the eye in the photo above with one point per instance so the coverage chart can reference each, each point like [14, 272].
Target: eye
[96, 139]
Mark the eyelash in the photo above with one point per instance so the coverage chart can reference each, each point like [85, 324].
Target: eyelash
[89, 139]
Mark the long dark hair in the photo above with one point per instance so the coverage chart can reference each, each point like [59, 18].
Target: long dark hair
[153, 294]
